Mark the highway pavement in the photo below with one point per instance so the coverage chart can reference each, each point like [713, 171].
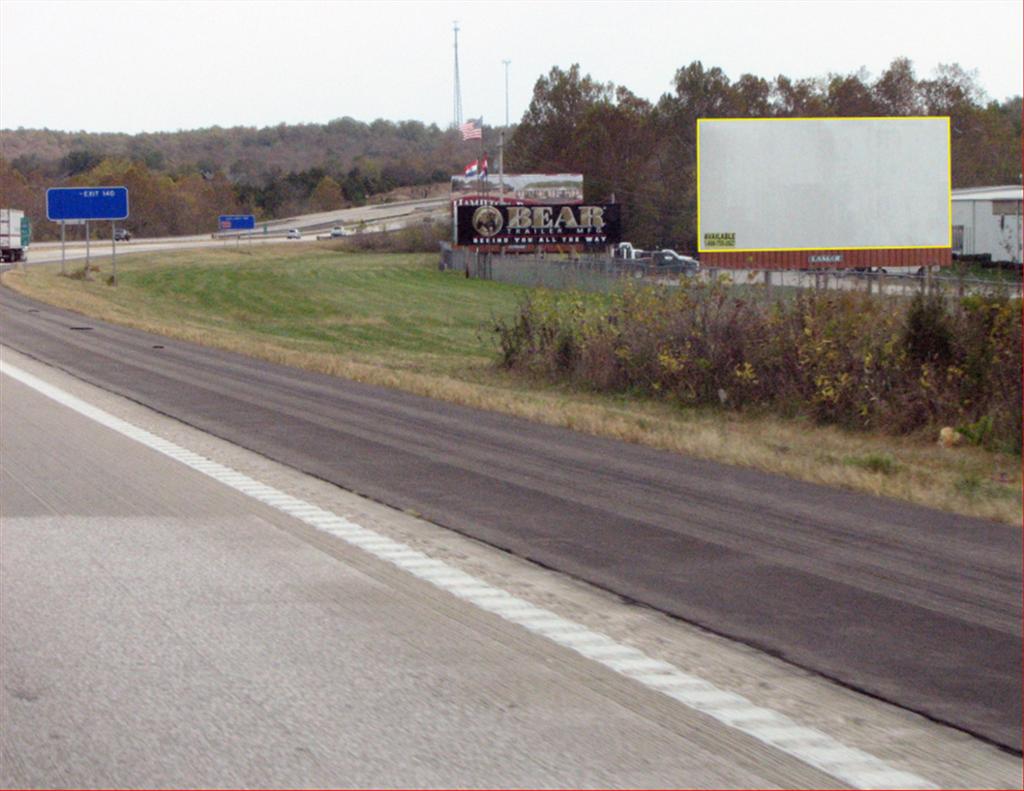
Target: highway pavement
[176, 611]
[163, 630]
[912, 606]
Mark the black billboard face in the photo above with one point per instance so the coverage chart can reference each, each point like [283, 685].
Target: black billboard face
[569, 224]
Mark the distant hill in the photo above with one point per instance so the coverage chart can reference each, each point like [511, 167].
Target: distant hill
[184, 178]
[410, 150]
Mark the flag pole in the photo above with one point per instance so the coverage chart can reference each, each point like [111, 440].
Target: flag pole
[483, 156]
[501, 140]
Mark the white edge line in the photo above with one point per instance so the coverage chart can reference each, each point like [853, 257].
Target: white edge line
[812, 747]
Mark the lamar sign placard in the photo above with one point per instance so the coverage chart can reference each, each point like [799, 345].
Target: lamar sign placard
[570, 224]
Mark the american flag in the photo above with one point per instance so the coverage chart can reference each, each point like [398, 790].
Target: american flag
[471, 130]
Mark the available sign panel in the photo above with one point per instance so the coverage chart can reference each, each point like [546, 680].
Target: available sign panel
[236, 222]
[822, 183]
[567, 223]
[86, 203]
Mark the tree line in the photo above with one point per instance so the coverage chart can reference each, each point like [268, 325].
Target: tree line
[180, 181]
[643, 154]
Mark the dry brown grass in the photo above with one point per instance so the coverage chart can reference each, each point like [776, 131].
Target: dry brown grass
[964, 480]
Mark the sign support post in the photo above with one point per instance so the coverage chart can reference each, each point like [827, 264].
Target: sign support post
[63, 271]
[87, 259]
[113, 253]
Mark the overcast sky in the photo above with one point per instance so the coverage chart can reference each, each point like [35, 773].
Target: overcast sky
[152, 66]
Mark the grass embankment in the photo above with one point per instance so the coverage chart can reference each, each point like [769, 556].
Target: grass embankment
[394, 320]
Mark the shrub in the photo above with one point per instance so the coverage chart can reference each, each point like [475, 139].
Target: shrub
[927, 336]
[846, 358]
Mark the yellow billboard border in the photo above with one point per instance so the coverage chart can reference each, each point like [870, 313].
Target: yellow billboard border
[949, 178]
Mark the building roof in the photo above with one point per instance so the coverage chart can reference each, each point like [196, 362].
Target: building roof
[1009, 192]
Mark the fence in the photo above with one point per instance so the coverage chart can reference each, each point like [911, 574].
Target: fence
[604, 273]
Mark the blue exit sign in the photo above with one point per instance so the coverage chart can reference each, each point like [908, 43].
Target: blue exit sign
[86, 203]
[236, 222]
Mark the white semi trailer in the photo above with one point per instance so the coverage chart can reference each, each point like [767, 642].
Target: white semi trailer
[13, 241]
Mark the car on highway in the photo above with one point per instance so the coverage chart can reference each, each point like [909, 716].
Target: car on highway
[337, 231]
[293, 233]
[122, 235]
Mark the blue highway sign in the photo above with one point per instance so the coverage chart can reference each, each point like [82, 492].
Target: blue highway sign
[86, 203]
[236, 222]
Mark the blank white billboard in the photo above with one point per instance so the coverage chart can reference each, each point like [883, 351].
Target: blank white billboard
[822, 183]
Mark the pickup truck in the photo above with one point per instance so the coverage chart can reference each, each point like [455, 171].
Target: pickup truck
[682, 263]
[657, 258]
[627, 252]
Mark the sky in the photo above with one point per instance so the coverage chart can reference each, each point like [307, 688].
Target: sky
[167, 65]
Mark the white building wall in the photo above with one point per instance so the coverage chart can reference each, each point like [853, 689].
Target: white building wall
[998, 235]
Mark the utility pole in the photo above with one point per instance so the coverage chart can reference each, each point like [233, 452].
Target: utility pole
[501, 146]
[506, 62]
[457, 119]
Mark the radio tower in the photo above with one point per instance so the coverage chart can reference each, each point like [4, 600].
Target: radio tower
[457, 120]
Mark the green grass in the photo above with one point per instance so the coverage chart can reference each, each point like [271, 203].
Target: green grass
[881, 463]
[359, 305]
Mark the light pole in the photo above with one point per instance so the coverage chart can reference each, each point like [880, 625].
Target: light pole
[501, 150]
[506, 62]
[457, 114]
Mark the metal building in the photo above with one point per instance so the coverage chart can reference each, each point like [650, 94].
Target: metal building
[987, 221]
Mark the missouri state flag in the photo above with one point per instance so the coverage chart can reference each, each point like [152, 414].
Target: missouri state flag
[478, 167]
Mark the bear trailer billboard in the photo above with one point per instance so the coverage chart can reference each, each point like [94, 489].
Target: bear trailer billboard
[569, 224]
[840, 191]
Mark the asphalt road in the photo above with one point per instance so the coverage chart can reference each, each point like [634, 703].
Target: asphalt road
[185, 635]
[910, 605]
